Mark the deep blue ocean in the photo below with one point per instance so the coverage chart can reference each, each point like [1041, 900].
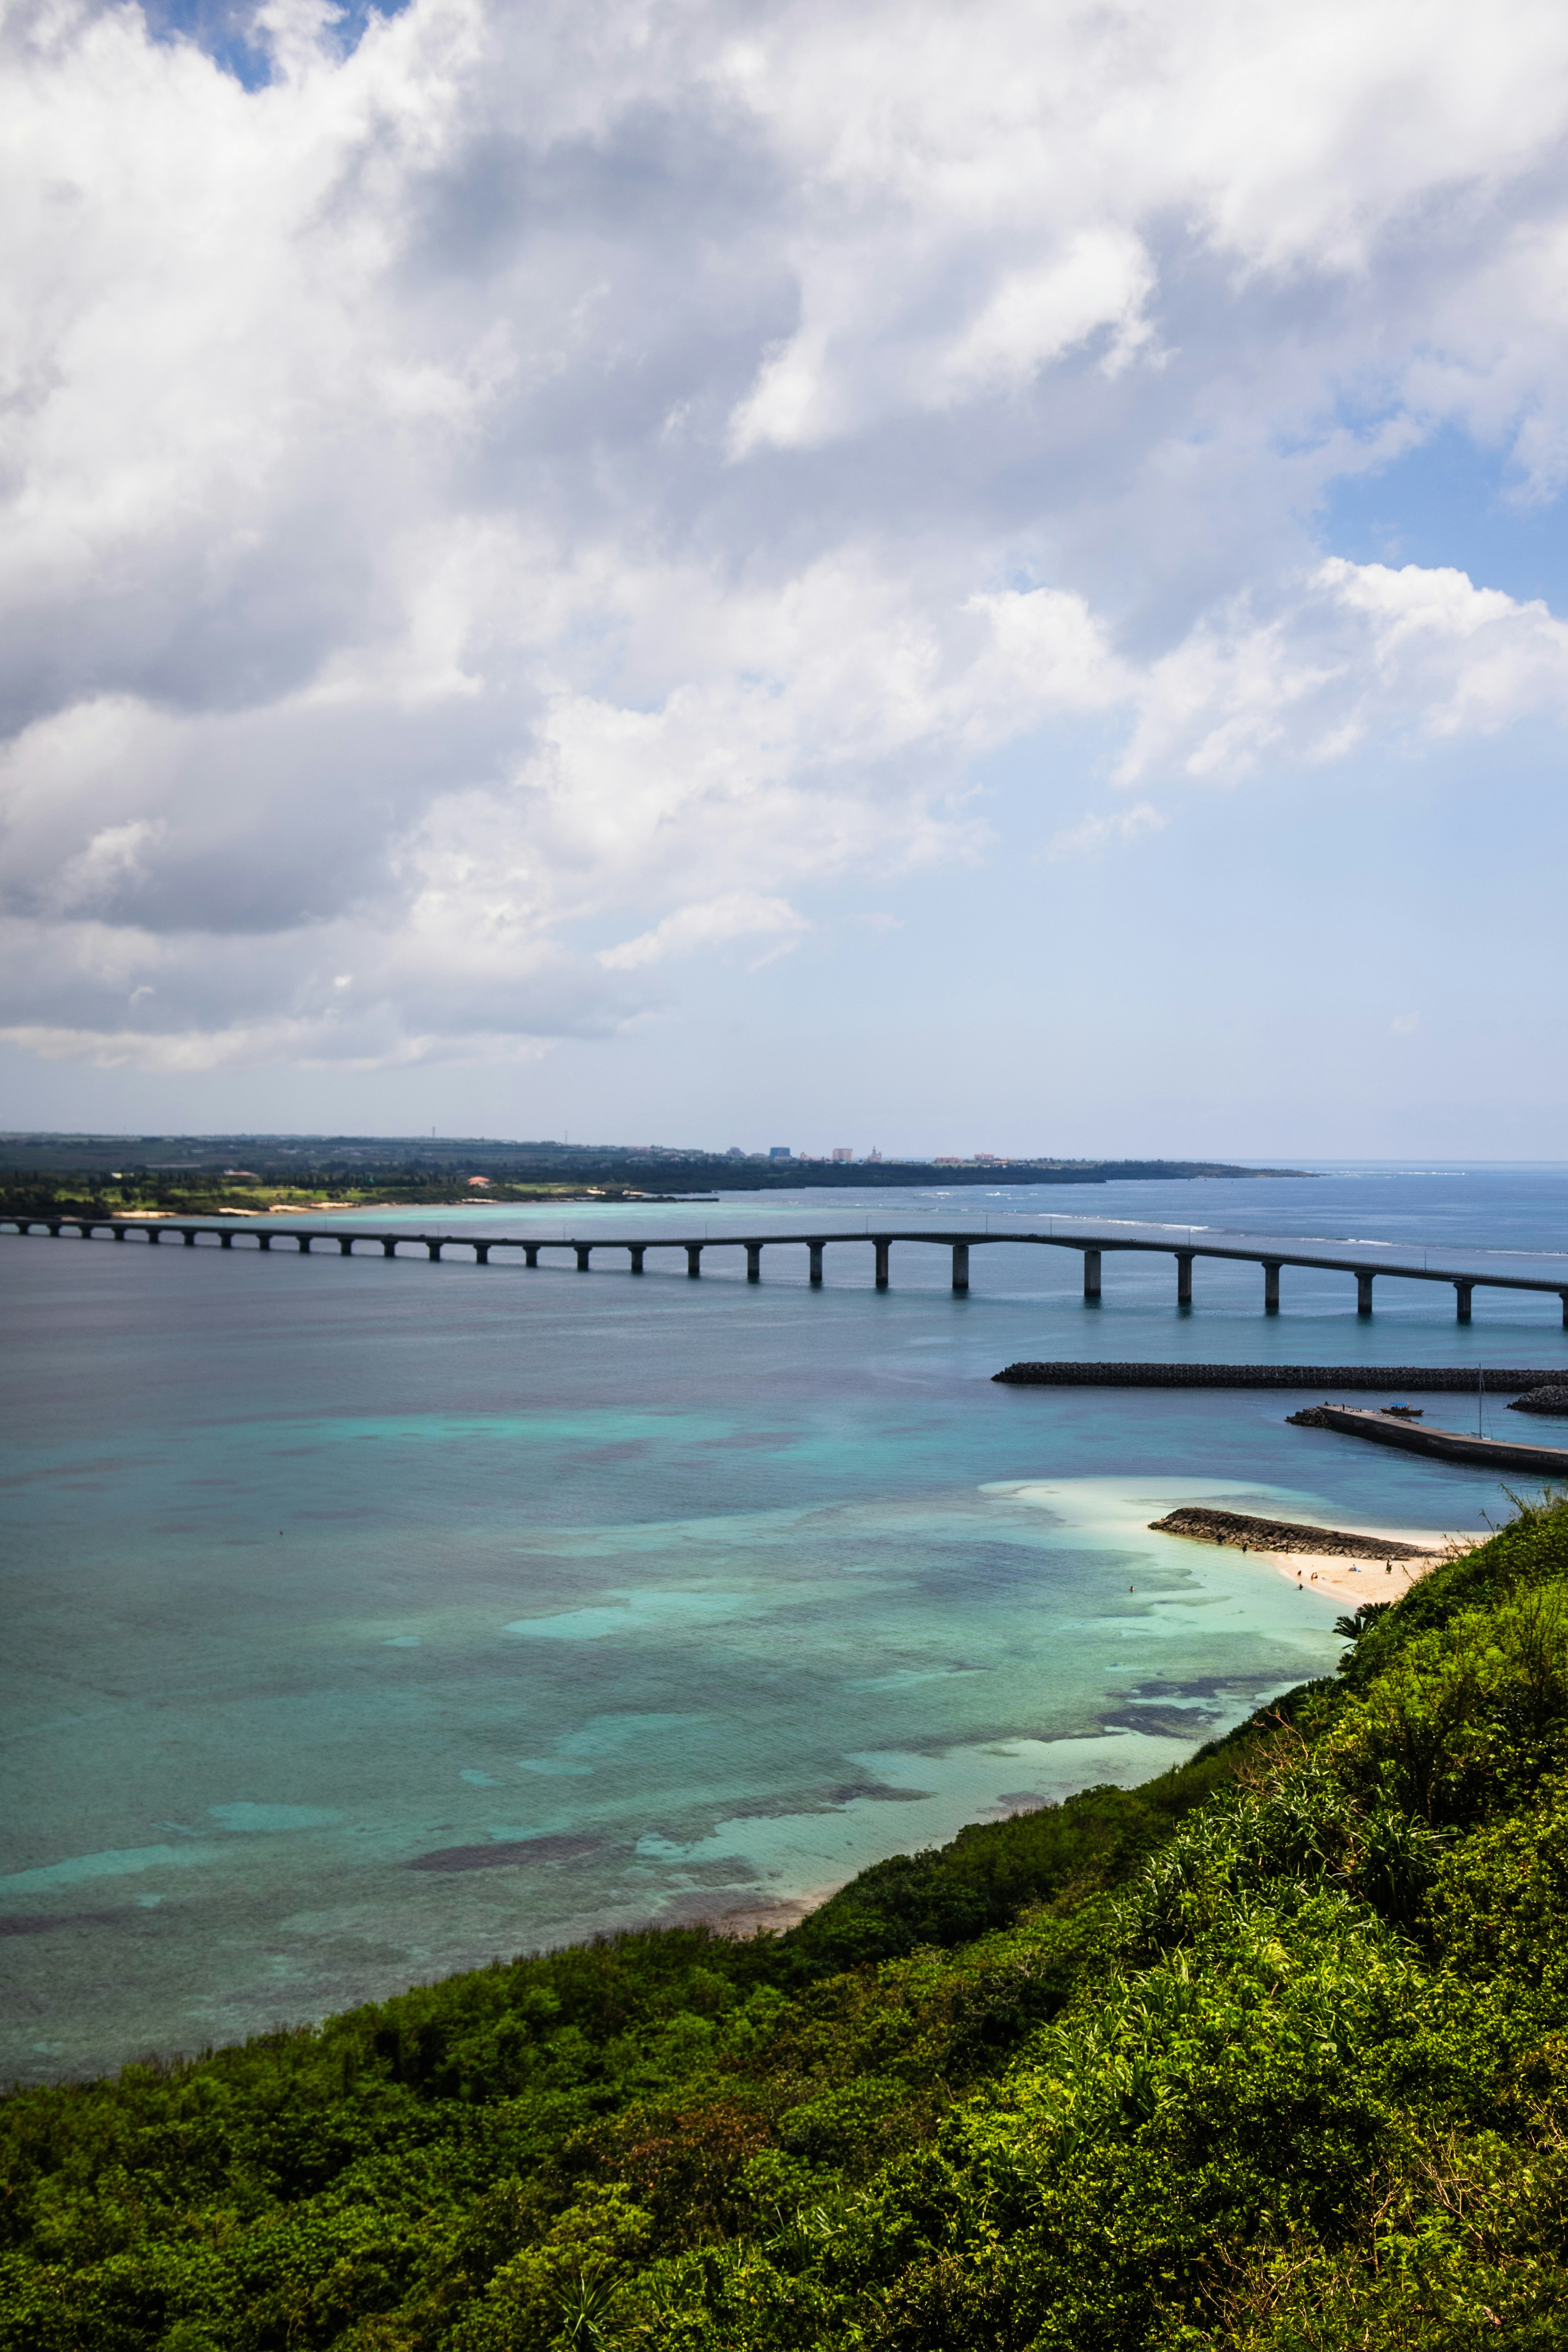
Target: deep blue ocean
[367, 1619]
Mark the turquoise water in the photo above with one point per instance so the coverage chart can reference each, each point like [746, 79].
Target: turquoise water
[369, 1618]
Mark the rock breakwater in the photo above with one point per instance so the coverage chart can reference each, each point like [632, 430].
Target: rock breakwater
[1542, 1400]
[1240, 1528]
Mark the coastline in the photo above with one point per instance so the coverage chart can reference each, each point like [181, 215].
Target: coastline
[787, 1911]
[1316, 1572]
[1365, 1579]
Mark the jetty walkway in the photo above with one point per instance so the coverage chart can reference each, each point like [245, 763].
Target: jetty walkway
[1493, 1379]
[1093, 1248]
[1437, 1444]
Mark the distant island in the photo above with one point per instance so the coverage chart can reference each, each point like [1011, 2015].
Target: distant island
[184, 1175]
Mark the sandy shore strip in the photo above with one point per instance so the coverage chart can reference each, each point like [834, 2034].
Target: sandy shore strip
[1355, 1564]
[780, 1913]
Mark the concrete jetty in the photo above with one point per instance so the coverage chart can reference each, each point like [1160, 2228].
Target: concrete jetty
[1437, 1444]
[1094, 1248]
[1385, 1379]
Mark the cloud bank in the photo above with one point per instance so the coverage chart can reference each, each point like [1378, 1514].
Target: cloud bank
[537, 495]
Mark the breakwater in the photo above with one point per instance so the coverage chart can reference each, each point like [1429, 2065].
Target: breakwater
[1542, 1400]
[1437, 1444]
[1204, 1526]
[1459, 1379]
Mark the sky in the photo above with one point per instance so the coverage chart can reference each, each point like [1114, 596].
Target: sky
[951, 577]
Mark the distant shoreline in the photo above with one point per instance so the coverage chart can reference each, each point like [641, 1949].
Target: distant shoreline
[205, 1175]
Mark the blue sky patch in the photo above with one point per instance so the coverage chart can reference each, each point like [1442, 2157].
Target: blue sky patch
[226, 30]
[1452, 502]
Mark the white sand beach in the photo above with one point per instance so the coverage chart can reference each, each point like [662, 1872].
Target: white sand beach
[1370, 1579]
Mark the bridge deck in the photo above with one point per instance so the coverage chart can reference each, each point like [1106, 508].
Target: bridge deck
[1092, 1246]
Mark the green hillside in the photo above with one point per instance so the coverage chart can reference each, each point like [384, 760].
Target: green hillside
[1270, 2053]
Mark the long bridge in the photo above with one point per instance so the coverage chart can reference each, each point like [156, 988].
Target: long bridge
[1094, 1248]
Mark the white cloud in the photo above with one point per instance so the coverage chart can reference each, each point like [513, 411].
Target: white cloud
[740, 915]
[111, 861]
[479, 508]
[1101, 281]
[1353, 650]
[1095, 832]
[1466, 658]
[308, 1045]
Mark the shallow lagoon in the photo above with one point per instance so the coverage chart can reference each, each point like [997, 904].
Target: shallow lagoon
[372, 1618]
